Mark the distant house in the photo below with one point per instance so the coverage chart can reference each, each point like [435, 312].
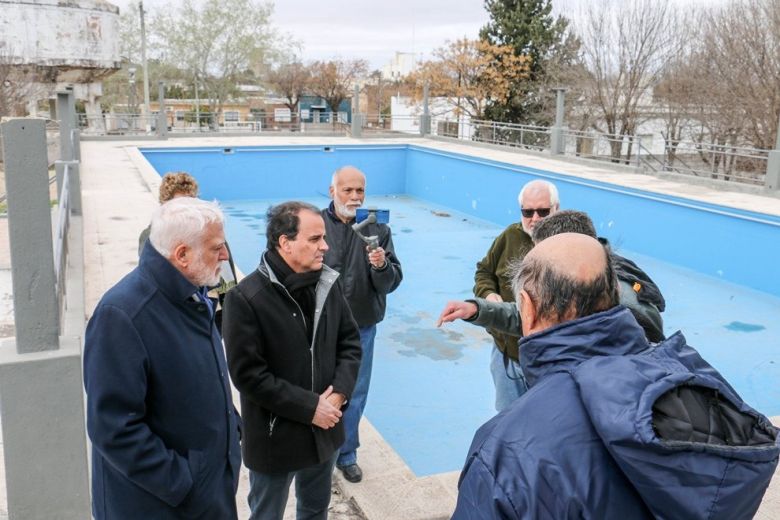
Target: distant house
[314, 109]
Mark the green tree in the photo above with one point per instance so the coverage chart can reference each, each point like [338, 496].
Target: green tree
[528, 27]
[216, 42]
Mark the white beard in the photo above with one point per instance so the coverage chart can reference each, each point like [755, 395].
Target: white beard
[344, 210]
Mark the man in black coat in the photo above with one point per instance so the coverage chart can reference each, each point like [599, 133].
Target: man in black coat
[293, 351]
[367, 277]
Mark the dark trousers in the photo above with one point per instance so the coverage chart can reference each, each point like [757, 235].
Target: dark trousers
[268, 492]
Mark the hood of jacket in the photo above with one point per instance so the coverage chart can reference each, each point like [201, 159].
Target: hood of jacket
[681, 435]
[563, 347]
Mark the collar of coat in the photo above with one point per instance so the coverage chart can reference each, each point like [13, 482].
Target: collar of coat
[328, 276]
[613, 332]
[166, 277]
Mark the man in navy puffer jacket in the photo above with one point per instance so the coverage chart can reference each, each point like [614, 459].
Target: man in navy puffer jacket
[611, 427]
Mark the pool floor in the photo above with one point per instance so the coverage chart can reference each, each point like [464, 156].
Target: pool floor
[431, 388]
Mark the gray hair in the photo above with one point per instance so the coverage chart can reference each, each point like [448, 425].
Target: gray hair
[182, 220]
[559, 298]
[554, 200]
[566, 221]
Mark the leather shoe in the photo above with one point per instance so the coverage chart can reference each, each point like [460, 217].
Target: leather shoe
[351, 472]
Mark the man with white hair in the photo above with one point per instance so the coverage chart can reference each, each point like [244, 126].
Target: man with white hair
[537, 200]
[164, 431]
[367, 276]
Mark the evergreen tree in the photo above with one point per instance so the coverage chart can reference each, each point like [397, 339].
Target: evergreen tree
[531, 30]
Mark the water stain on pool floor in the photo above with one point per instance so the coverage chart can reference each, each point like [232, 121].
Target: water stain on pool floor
[739, 326]
[435, 344]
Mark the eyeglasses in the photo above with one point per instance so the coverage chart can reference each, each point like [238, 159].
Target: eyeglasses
[542, 212]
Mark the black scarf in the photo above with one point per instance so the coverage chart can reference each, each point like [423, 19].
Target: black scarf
[301, 286]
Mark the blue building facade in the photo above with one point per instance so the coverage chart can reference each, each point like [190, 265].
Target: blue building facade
[314, 109]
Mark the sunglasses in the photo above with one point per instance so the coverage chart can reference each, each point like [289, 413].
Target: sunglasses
[542, 212]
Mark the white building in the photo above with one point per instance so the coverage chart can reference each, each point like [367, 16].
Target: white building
[405, 117]
[400, 66]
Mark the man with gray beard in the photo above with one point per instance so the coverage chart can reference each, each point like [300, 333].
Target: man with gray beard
[367, 276]
[160, 412]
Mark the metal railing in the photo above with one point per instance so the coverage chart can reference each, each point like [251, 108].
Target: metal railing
[714, 161]
[382, 124]
[506, 134]
[602, 147]
[191, 122]
[118, 124]
[60, 242]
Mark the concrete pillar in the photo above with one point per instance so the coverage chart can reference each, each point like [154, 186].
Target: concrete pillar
[36, 310]
[44, 438]
[557, 143]
[66, 109]
[425, 118]
[53, 109]
[162, 120]
[94, 114]
[357, 120]
[772, 179]
[41, 395]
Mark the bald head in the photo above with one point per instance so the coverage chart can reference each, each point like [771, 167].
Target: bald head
[573, 255]
[564, 277]
[348, 191]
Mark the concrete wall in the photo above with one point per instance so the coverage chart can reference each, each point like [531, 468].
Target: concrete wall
[83, 33]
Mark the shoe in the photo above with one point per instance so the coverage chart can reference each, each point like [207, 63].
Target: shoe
[351, 472]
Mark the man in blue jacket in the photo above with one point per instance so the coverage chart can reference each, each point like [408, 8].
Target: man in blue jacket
[164, 431]
[611, 426]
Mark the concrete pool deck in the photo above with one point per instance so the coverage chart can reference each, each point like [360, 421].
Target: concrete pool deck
[119, 193]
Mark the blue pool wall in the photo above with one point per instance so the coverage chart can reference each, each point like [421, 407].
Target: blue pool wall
[732, 245]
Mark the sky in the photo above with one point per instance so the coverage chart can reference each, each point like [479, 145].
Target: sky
[375, 30]
[371, 30]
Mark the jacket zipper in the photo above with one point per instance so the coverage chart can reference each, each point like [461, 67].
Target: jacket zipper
[313, 332]
[271, 424]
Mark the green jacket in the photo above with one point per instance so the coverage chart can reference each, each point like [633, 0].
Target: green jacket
[492, 276]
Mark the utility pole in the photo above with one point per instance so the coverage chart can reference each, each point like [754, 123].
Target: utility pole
[197, 104]
[147, 109]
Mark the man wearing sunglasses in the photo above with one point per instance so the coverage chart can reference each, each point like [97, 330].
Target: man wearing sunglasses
[492, 282]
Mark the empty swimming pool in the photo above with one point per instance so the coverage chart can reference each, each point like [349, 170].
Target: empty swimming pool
[431, 387]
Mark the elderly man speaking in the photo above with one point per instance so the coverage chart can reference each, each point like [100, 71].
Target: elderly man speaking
[159, 409]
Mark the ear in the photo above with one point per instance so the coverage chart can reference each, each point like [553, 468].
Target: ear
[331, 191]
[528, 314]
[284, 244]
[180, 255]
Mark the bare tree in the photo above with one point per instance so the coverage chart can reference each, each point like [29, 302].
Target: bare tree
[333, 80]
[742, 41]
[471, 73]
[16, 84]
[290, 80]
[626, 47]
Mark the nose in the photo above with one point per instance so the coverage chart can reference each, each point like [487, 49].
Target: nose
[323, 245]
[223, 252]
